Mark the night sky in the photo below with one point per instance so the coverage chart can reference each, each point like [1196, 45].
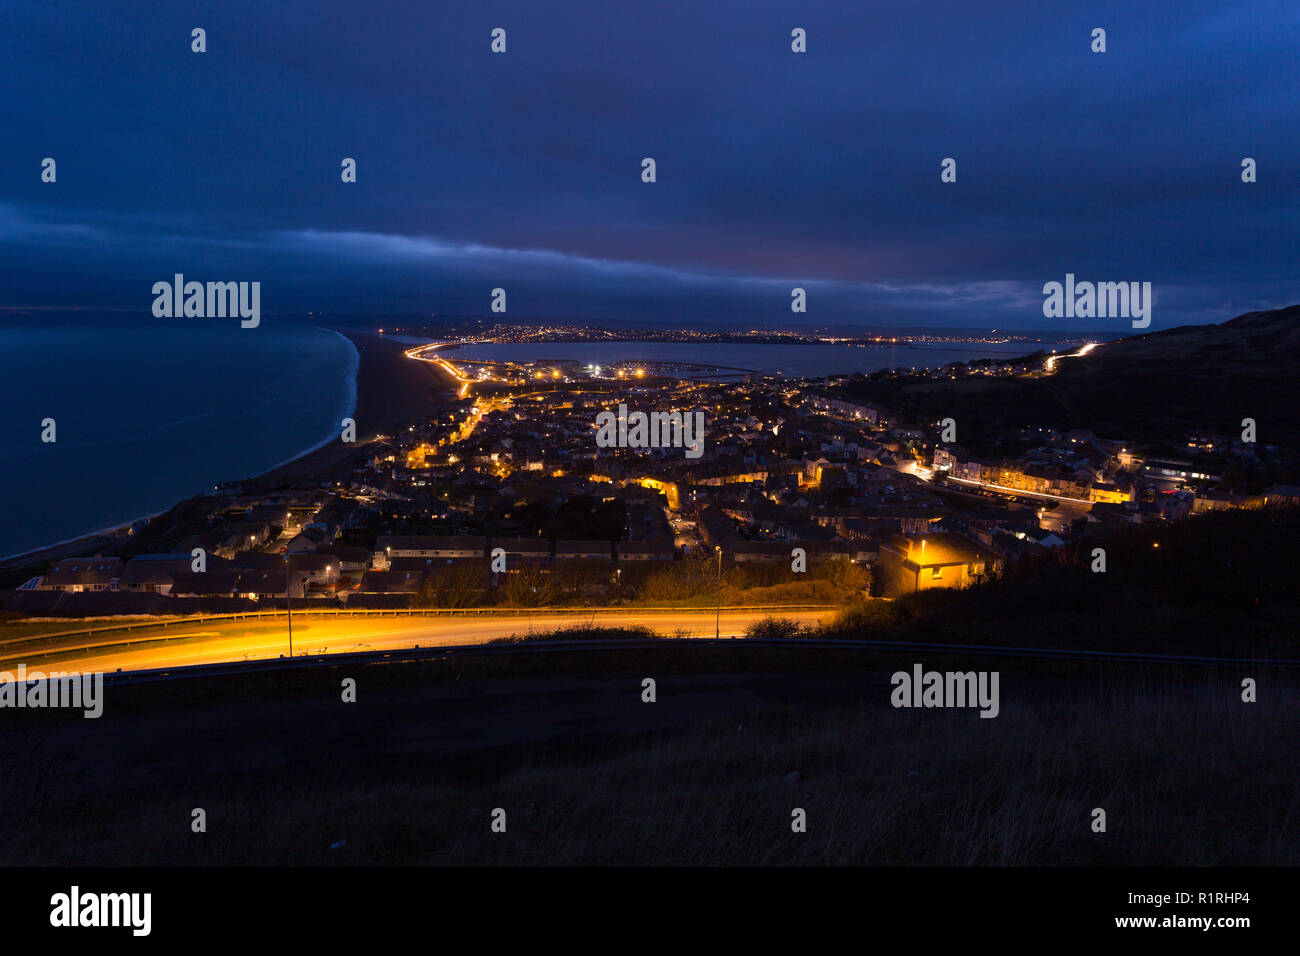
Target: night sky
[775, 169]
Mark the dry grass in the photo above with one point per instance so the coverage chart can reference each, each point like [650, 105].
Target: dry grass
[1188, 775]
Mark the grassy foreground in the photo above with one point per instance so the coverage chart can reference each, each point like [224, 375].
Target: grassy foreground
[1187, 774]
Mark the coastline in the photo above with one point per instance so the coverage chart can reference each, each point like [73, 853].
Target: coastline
[390, 390]
[386, 390]
[72, 547]
[350, 405]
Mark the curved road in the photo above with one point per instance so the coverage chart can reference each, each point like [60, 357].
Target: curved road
[218, 643]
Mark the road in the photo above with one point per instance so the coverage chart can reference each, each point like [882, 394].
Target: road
[217, 642]
[1058, 519]
[418, 353]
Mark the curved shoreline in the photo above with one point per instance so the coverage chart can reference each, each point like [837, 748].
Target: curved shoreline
[350, 408]
[385, 389]
[390, 389]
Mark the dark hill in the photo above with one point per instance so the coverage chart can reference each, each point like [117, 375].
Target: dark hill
[1152, 388]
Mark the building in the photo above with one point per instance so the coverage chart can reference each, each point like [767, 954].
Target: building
[389, 546]
[154, 573]
[782, 552]
[1108, 492]
[645, 551]
[319, 571]
[910, 563]
[853, 411]
[95, 573]
[533, 551]
[406, 581]
[583, 550]
[1282, 495]
[259, 585]
[206, 584]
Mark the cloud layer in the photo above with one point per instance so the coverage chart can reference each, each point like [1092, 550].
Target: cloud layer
[775, 169]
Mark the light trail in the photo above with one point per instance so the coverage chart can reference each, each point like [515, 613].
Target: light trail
[1050, 364]
[417, 353]
[1019, 491]
[258, 640]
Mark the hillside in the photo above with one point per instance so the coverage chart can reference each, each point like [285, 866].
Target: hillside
[1152, 388]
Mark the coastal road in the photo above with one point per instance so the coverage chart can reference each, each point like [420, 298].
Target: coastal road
[221, 642]
[1058, 519]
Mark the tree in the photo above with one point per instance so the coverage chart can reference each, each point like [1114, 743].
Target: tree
[530, 586]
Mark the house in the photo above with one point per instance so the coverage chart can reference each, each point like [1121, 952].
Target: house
[222, 583]
[910, 563]
[854, 411]
[95, 573]
[864, 550]
[269, 584]
[153, 573]
[272, 515]
[391, 582]
[583, 550]
[321, 571]
[1045, 538]
[762, 552]
[310, 539]
[1108, 492]
[244, 534]
[389, 546]
[644, 551]
[257, 561]
[812, 468]
[714, 527]
[533, 550]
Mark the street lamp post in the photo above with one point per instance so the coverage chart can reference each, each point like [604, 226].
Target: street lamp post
[288, 608]
[717, 621]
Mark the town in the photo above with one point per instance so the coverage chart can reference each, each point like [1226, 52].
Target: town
[805, 493]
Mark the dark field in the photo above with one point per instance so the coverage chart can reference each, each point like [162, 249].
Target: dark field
[709, 774]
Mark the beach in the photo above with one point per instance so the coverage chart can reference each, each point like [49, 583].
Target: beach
[391, 389]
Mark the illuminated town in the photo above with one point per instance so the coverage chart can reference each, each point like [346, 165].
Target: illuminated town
[510, 466]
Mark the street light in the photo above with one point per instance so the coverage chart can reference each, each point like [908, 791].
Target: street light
[288, 608]
[717, 621]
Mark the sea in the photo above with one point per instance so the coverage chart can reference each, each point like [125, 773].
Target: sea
[148, 412]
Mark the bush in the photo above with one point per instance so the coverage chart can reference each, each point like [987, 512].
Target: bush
[581, 634]
[777, 628]
[864, 619]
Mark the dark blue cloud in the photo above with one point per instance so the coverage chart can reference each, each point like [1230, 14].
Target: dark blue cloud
[775, 169]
